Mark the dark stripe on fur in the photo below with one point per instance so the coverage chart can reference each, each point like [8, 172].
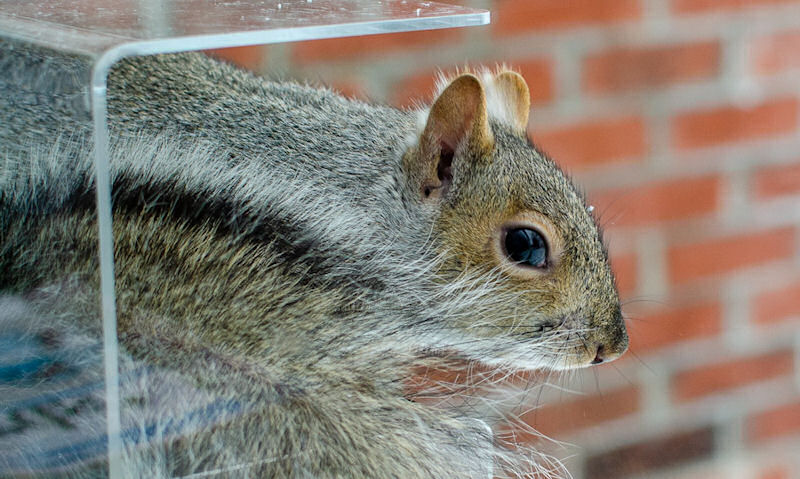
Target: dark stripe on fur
[228, 219]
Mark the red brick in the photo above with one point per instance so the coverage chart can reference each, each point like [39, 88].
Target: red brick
[777, 181]
[692, 261]
[780, 422]
[372, 45]
[560, 418]
[414, 89]
[584, 145]
[640, 460]
[775, 472]
[715, 378]
[350, 87]
[430, 385]
[698, 6]
[651, 203]
[624, 267]
[538, 75]
[633, 68]
[251, 58]
[666, 328]
[777, 53]
[777, 305]
[734, 124]
[518, 16]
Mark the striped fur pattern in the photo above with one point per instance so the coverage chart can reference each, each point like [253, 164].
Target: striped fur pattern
[278, 274]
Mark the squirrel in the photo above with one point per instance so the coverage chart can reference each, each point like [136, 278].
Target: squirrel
[285, 257]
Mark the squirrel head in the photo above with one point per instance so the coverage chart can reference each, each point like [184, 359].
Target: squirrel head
[505, 211]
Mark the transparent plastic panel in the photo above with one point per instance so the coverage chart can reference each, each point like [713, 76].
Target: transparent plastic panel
[70, 397]
[52, 395]
[175, 25]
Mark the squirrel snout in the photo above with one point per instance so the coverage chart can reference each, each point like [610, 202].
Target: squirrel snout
[605, 354]
[600, 355]
[610, 340]
[611, 347]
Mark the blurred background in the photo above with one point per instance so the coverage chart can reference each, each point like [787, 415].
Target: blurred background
[681, 120]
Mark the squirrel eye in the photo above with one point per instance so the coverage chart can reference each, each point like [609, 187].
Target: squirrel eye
[526, 246]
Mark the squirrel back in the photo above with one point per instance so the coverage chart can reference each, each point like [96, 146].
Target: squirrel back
[284, 258]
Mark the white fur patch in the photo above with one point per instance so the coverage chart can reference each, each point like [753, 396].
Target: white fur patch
[500, 107]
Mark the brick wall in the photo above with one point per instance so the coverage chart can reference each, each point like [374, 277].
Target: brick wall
[681, 118]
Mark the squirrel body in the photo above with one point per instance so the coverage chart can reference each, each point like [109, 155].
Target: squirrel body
[284, 257]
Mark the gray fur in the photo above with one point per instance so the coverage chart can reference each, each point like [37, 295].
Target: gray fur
[276, 269]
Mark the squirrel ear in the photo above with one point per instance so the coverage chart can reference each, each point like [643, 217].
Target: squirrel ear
[512, 87]
[458, 115]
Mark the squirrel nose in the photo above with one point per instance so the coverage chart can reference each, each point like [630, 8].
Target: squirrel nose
[599, 356]
[612, 342]
[603, 354]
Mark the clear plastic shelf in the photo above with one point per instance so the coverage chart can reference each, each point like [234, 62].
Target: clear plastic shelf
[110, 31]
[141, 27]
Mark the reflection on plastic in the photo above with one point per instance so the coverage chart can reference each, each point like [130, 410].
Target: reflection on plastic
[92, 27]
[52, 410]
[53, 403]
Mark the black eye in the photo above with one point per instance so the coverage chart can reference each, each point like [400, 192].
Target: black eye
[524, 245]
